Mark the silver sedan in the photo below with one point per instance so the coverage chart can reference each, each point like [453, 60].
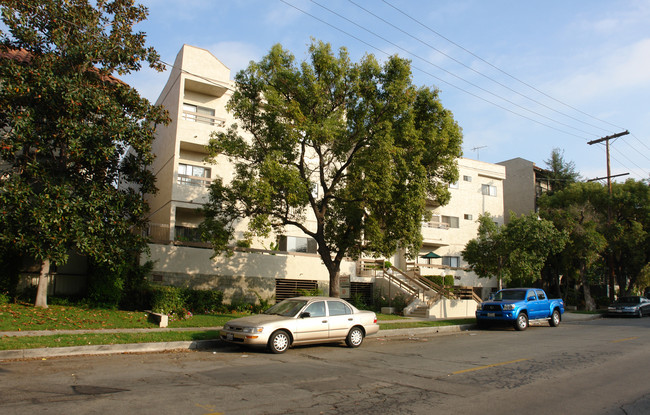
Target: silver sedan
[302, 320]
[630, 306]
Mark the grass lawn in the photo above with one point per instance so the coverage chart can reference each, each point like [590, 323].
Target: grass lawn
[25, 317]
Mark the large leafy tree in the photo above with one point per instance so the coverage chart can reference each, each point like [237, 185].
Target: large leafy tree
[629, 232]
[354, 147]
[514, 253]
[625, 239]
[574, 211]
[486, 254]
[65, 126]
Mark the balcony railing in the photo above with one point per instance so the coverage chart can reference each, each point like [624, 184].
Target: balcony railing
[184, 179]
[435, 225]
[203, 118]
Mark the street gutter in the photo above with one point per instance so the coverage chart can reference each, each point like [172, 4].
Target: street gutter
[156, 347]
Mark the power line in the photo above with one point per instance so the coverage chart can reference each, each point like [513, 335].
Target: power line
[447, 82]
[438, 78]
[497, 68]
[476, 71]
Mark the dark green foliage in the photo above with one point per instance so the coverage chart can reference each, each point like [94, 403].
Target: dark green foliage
[136, 294]
[67, 124]
[515, 253]
[168, 300]
[124, 286]
[203, 301]
[10, 262]
[398, 302]
[562, 173]
[183, 301]
[441, 280]
[105, 286]
[374, 146]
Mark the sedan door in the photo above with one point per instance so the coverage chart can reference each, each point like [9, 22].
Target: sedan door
[314, 327]
[341, 319]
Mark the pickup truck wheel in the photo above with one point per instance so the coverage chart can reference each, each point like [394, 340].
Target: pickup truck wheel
[521, 323]
[555, 319]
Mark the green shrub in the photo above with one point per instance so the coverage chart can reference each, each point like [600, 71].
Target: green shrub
[358, 301]
[449, 280]
[136, 293]
[203, 301]
[4, 298]
[398, 302]
[168, 300]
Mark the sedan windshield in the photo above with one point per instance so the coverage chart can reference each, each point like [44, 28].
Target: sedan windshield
[510, 295]
[287, 308]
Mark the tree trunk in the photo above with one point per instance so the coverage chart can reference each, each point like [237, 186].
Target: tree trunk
[590, 304]
[334, 283]
[41, 293]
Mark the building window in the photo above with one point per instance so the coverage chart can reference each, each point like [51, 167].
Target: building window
[453, 185]
[467, 178]
[297, 244]
[468, 216]
[199, 114]
[451, 261]
[187, 234]
[193, 175]
[451, 221]
[489, 190]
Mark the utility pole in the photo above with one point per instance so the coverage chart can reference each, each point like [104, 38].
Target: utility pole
[610, 258]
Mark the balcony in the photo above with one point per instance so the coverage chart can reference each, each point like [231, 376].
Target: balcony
[201, 118]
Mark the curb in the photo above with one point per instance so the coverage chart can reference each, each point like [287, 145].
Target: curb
[105, 349]
[19, 354]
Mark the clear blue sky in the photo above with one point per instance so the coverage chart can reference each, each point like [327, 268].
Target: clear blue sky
[521, 77]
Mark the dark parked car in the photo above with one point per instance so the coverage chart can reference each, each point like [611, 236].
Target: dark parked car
[630, 306]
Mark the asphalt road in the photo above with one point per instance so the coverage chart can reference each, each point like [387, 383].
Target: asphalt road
[589, 367]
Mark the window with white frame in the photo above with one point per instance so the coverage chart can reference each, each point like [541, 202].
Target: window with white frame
[453, 185]
[489, 190]
[193, 175]
[451, 221]
[467, 178]
[451, 261]
[468, 216]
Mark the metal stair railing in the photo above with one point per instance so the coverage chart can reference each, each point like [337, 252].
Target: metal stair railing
[427, 283]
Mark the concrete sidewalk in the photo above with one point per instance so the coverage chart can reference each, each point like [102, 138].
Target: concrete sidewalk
[204, 344]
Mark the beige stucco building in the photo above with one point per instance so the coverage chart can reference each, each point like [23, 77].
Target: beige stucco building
[195, 95]
[525, 182]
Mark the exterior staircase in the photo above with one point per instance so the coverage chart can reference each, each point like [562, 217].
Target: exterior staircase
[422, 293]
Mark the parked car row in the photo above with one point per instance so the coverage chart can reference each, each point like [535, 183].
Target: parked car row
[309, 320]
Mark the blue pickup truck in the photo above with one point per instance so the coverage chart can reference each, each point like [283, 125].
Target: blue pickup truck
[519, 306]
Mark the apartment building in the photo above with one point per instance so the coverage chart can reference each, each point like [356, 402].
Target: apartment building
[525, 182]
[195, 95]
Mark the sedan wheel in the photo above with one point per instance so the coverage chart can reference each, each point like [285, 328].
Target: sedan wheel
[279, 342]
[521, 323]
[355, 337]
